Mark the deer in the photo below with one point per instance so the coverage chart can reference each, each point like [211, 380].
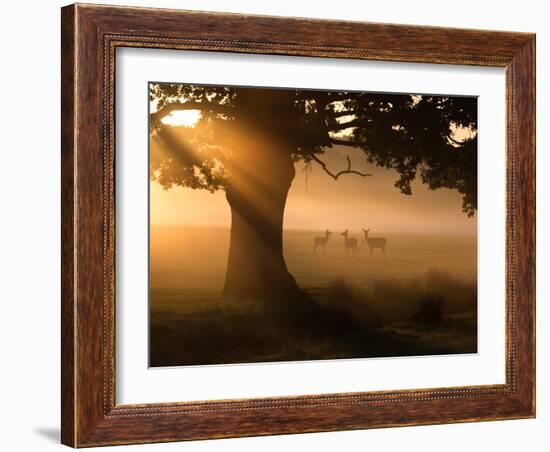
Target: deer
[350, 243]
[375, 242]
[321, 242]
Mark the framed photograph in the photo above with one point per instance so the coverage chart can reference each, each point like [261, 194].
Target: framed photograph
[281, 225]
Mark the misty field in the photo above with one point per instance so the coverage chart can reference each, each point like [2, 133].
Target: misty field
[420, 299]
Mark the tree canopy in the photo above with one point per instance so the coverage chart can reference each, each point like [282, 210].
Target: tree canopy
[430, 137]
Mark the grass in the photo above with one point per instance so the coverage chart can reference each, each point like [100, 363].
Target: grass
[431, 314]
[420, 299]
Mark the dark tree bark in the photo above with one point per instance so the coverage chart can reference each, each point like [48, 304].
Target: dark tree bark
[256, 267]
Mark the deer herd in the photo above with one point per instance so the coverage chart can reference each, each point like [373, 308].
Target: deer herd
[350, 243]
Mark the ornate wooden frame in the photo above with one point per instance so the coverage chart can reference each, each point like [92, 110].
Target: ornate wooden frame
[90, 35]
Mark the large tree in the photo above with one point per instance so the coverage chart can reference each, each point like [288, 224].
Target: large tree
[248, 140]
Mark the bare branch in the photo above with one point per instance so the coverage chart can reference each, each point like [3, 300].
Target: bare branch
[335, 176]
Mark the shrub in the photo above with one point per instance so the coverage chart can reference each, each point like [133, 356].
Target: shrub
[340, 304]
[430, 310]
[341, 293]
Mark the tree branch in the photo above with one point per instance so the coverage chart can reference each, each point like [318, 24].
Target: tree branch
[452, 140]
[335, 176]
[349, 124]
[353, 144]
[339, 114]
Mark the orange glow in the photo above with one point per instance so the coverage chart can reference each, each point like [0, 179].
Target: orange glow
[351, 202]
[316, 202]
[185, 118]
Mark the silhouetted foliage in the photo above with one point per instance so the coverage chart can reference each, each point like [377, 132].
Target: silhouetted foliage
[426, 136]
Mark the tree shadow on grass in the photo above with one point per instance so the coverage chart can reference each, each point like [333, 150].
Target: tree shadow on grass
[432, 316]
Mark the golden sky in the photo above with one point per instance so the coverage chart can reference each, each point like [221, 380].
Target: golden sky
[351, 202]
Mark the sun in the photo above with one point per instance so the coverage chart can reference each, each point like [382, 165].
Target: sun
[184, 118]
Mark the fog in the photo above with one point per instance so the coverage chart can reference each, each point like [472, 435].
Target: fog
[317, 202]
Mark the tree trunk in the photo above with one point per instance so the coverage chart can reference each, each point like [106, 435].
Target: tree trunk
[257, 194]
